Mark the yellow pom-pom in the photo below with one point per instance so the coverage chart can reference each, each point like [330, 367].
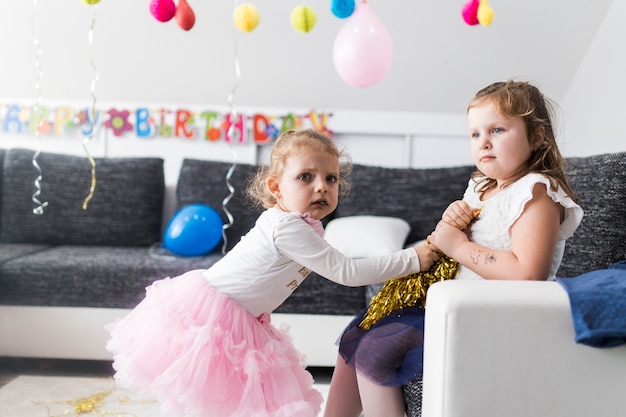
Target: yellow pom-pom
[246, 17]
[484, 14]
[91, 1]
[303, 18]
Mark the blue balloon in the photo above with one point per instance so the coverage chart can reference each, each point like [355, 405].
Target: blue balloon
[194, 230]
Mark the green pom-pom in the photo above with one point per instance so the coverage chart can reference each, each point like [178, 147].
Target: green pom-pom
[303, 18]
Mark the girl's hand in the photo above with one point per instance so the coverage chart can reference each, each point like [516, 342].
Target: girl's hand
[427, 255]
[447, 238]
[458, 214]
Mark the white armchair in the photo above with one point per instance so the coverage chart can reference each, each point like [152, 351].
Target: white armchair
[507, 349]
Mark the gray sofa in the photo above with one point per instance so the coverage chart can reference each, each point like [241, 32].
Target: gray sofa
[104, 256]
[101, 259]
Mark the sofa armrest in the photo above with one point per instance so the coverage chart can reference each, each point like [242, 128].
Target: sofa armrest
[507, 349]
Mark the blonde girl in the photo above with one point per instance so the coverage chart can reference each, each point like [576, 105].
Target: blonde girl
[203, 344]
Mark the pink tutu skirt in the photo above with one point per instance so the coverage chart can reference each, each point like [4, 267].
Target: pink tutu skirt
[201, 354]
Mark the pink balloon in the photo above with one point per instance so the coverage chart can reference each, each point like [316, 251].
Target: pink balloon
[363, 50]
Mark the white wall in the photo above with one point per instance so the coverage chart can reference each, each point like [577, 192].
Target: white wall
[591, 114]
[595, 105]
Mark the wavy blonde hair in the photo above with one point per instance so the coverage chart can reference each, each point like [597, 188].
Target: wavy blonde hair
[289, 143]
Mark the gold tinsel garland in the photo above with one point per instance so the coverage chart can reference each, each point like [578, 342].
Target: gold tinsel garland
[407, 291]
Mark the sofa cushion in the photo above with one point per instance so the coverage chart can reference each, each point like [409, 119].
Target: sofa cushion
[116, 277]
[418, 196]
[90, 276]
[600, 185]
[10, 251]
[317, 295]
[204, 182]
[126, 208]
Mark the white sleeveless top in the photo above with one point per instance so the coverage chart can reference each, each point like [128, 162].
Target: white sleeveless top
[492, 228]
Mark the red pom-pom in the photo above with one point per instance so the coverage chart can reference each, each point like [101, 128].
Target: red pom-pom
[185, 16]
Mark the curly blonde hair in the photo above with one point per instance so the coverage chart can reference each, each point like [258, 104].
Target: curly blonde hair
[289, 143]
[520, 99]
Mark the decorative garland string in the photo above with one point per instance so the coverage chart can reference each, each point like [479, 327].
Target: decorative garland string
[88, 138]
[233, 116]
[39, 209]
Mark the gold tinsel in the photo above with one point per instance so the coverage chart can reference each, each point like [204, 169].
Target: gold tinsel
[85, 405]
[407, 291]
[411, 290]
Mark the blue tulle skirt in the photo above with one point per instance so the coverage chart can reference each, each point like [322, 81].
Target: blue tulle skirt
[391, 352]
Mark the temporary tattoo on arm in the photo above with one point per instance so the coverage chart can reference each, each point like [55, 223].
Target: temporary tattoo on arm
[474, 256]
[490, 258]
[487, 258]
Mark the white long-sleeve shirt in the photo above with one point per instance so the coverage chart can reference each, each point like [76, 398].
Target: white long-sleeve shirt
[275, 256]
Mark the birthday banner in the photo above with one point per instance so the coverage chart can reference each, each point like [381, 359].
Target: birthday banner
[142, 122]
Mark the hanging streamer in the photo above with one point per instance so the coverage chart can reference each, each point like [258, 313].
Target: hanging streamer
[39, 210]
[230, 134]
[88, 138]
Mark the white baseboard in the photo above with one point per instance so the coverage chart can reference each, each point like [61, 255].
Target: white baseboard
[78, 332]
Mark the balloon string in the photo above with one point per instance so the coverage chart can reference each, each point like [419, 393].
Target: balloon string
[88, 138]
[225, 202]
[229, 174]
[237, 72]
[39, 210]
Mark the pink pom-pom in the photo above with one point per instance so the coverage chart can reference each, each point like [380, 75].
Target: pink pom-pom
[162, 10]
[470, 12]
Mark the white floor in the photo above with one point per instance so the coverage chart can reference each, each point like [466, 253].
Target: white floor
[44, 388]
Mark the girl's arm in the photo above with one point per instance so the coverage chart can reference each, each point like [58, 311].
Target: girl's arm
[533, 241]
[299, 242]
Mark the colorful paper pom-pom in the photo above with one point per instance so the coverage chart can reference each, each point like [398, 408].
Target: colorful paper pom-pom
[477, 11]
[484, 14]
[342, 8]
[303, 18]
[246, 17]
[162, 10]
[469, 12]
[185, 17]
